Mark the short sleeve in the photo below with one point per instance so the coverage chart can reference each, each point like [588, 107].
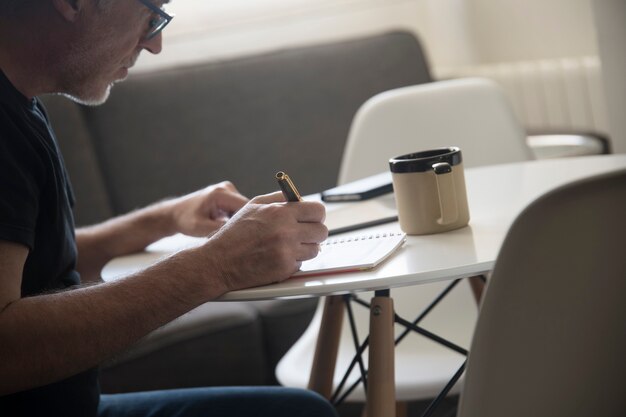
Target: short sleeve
[21, 179]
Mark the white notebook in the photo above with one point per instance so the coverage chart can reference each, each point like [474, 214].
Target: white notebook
[355, 253]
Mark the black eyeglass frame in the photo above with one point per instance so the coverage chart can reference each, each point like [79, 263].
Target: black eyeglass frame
[164, 19]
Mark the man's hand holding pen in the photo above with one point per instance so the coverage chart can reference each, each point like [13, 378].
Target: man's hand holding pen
[266, 241]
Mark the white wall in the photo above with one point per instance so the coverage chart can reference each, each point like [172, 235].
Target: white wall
[524, 30]
[455, 32]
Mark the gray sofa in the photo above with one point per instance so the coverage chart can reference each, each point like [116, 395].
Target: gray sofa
[171, 132]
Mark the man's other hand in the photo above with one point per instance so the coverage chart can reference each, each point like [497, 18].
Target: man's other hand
[205, 211]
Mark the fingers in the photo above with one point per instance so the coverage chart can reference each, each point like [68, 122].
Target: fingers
[309, 212]
[307, 251]
[275, 197]
[229, 186]
[312, 235]
[312, 232]
[202, 211]
[230, 201]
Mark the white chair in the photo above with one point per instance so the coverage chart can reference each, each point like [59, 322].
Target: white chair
[472, 114]
[550, 339]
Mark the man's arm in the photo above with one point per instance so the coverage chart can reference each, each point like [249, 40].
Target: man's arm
[49, 337]
[197, 214]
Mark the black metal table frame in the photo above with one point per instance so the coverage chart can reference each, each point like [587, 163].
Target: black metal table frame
[410, 326]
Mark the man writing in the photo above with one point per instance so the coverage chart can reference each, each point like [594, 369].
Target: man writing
[53, 331]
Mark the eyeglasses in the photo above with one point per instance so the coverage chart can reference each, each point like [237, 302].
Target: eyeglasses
[158, 21]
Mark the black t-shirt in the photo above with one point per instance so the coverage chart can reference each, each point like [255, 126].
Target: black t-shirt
[36, 211]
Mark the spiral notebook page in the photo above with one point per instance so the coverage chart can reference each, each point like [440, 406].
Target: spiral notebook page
[354, 253]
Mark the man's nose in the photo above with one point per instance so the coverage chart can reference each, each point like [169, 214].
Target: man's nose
[153, 45]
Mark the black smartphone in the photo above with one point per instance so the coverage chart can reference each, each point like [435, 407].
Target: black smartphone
[360, 190]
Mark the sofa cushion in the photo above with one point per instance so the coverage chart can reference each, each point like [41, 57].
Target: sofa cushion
[214, 344]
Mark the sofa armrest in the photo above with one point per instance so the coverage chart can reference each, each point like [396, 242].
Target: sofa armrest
[555, 145]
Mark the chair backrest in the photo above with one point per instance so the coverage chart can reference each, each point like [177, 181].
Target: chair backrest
[551, 333]
[471, 113]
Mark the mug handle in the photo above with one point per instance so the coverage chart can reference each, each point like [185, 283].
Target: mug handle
[446, 192]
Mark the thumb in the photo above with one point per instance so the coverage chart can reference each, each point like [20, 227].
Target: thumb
[275, 197]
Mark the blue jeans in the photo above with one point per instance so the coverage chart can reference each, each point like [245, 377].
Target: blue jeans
[217, 402]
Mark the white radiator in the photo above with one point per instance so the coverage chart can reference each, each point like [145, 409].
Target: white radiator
[560, 94]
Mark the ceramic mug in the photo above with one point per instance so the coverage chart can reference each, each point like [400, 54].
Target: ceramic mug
[429, 188]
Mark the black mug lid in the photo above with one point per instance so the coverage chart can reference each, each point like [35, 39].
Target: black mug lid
[423, 161]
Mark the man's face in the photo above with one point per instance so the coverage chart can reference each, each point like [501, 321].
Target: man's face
[108, 41]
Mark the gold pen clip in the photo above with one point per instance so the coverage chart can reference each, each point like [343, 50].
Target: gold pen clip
[287, 187]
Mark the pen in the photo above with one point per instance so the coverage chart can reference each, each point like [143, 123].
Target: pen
[287, 187]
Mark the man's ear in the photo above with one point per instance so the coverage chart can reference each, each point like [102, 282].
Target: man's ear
[69, 9]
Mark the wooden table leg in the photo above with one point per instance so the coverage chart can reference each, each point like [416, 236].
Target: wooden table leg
[381, 385]
[325, 358]
[477, 284]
